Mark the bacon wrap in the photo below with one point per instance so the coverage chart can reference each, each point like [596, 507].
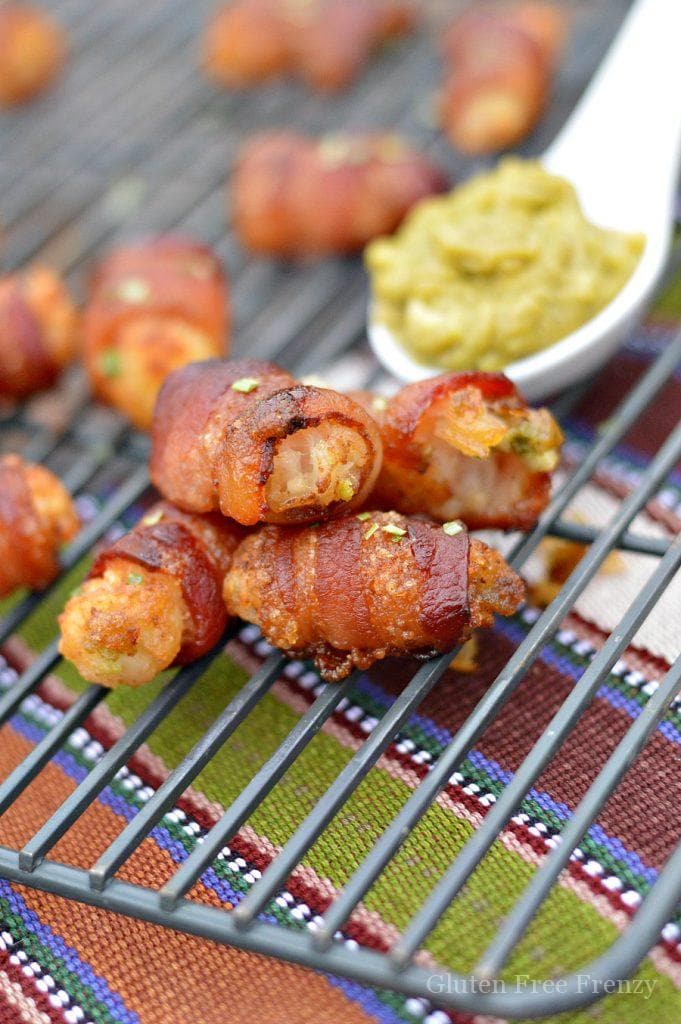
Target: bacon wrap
[178, 545]
[194, 406]
[405, 409]
[26, 364]
[325, 42]
[181, 279]
[294, 196]
[348, 595]
[502, 56]
[246, 456]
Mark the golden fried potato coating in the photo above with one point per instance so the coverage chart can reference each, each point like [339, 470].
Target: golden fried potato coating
[153, 599]
[37, 517]
[32, 52]
[124, 627]
[293, 196]
[354, 590]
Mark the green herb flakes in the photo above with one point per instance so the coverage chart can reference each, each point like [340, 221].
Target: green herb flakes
[244, 385]
[110, 363]
[395, 531]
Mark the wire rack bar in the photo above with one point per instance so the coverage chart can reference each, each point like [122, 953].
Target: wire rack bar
[79, 800]
[176, 783]
[11, 700]
[305, 729]
[25, 772]
[364, 965]
[531, 768]
[503, 687]
[340, 789]
[619, 762]
[627, 542]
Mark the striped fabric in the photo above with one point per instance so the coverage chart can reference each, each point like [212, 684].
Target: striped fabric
[68, 963]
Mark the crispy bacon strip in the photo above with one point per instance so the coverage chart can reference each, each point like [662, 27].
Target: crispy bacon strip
[244, 438]
[38, 331]
[153, 307]
[32, 52]
[499, 63]
[293, 196]
[325, 42]
[152, 599]
[465, 446]
[361, 588]
[37, 516]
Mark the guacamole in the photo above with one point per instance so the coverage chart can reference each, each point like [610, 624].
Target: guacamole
[501, 267]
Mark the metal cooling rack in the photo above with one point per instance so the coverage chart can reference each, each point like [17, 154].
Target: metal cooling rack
[65, 195]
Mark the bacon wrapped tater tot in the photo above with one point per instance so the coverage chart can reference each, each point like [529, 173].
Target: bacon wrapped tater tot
[324, 42]
[294, 196]
[465, 446]
[243, 437]
[499, 62]
[154, 307]
[32, 52]
[354, 590]
[37, 517]
[38, 331]
[152, 599]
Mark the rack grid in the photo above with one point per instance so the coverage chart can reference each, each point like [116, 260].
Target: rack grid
[62, 206]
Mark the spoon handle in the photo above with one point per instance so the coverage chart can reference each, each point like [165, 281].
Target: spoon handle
[622, 144]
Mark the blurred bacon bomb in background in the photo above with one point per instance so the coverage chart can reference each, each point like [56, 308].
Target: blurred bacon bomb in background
[324, 42]
[37, 516]
[32, 52]
[499, 61]
[293, 196]
[154, 306]
[38, 331]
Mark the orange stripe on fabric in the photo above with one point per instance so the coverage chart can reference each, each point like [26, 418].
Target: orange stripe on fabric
[169, 978]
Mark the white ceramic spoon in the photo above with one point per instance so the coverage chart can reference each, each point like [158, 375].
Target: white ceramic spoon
[620, 149]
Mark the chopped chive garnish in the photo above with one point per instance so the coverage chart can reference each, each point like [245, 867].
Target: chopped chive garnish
[245, 385]
[110, 362]
[133, 289]
[153, 517]
[363, 516]
[393, 530]
[371, 531]
[346, 490]
[134, 579]
[453, 527]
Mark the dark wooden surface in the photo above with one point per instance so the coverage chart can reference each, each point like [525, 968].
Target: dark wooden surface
[134, 140]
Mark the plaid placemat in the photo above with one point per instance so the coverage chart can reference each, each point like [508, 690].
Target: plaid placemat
[60, 961]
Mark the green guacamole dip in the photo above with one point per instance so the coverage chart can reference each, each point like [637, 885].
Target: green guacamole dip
[501, 267]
